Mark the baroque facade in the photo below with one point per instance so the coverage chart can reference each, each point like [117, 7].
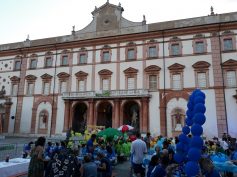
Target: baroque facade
[116, 72]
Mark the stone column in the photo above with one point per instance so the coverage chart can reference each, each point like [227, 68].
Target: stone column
[66, 115]
[116, 122]
[145, 114]
[91, 111]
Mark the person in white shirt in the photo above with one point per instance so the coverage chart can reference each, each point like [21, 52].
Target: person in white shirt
[138, 151]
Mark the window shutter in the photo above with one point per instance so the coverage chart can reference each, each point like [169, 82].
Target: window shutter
[131, 83]
[175, 49]
[81, 86]
[176, 79]
[105, 84]
[30, 89]
[131, 54]
[46, 88]
[228, 44]
[202, 80]
[152, 82]
[63, 87]
[231, 79]
[152, 52]
[199, 47]
[14, 89]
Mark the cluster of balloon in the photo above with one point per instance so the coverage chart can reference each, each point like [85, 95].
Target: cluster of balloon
[189, 149]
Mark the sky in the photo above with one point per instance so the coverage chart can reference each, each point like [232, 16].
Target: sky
[51, 18]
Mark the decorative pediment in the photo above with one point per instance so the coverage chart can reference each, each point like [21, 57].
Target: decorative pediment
[175, 38]
[199, 35]
[105, 72]
[65, 51]
[81, 74]
[30, 77]
[63, 75]
[34, 55]
[230, 63]
[46, 76]
[176, 66]
[49, 53]
[130, 70]
[201, 65]
[152, 68]
[15, 79]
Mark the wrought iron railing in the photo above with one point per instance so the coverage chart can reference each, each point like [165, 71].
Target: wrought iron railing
[107, 93]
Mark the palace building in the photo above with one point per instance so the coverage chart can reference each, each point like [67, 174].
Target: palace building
[115, 71]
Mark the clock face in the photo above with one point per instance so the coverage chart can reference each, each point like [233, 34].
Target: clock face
[106, 21]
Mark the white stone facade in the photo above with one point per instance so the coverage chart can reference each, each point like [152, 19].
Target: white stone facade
[118, 40]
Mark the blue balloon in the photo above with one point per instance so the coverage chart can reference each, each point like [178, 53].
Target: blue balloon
[194, 154]
[199, 99]
[178, 157]
[189, 114]
[199, 108]
[191, 98]
[195, 92]
[189, 122]
[179, 147]
[186, 130]
[183, 138]
[201, 94]
[199, 118]
[191, 168]
[196, 142]
[190, 106]
[196, 130]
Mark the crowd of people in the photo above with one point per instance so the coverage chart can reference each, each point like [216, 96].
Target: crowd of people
[96, 157]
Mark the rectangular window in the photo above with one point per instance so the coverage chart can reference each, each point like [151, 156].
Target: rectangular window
[33, 63]
[63, 87]
[82, 59]
[199, 47]
[46, 89]
[14, 89]
[106, 56]
[176, 82]
[48, 62]
[131, 54]
[231, 79]
[201, 80]
[30, 89]
[65, 60]
[131, 83]
[81, 86]
[152, 82]
[17, 65]
[228, 44]
[152, 52]
[175, 49]
[105, 84]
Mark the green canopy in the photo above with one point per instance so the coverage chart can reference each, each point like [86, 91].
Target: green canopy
[109, 133]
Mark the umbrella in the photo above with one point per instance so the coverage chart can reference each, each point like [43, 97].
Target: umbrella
[109, 133]
[125, 128]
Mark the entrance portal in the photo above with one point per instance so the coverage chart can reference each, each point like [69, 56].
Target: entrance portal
[131, 115]
[80, 118]
[104, 115]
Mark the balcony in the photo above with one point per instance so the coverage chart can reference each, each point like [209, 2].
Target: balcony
[106, 94]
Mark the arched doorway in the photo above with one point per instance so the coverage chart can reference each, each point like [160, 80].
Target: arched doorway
[2, 117]
[131, 114]
[80, 118]
[104, 114]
